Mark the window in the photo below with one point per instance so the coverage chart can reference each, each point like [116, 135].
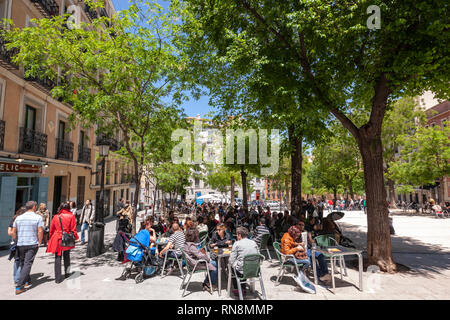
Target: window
[3, 9]
[30, 118]
[61, 130]
[197, 182]
[82, 138]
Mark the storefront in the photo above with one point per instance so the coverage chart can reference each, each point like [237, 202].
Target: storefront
[19, 182]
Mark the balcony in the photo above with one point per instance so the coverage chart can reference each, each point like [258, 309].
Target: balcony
[47, 8]
[103, 139]
[6, 55]
[84, 155]
[32, 142]
[64, 149]
[42, 83]
[2, 134]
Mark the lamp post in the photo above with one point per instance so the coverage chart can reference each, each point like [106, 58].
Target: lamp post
[97, 231]
[104, 151]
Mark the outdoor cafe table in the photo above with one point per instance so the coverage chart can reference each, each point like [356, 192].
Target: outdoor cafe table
[335, 252]
[222, 254]
[161, 242]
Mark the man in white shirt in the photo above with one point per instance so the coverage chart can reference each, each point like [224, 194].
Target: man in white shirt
[28, 230]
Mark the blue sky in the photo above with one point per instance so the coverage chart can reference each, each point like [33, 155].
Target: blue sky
[193, 107]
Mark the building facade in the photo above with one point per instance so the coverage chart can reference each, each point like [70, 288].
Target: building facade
[439, 115]
[41, 157]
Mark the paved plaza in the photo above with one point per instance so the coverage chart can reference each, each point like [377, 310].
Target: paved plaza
[421, 243]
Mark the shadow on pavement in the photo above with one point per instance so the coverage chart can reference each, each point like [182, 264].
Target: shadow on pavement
[38, 279]
[413, 256]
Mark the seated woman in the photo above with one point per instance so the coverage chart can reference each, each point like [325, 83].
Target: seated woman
[290, 247]
[220, 238]
[159, 226]
[193, 254]
[201, 227]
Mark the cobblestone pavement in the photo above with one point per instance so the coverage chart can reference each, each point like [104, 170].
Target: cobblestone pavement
[421, 243]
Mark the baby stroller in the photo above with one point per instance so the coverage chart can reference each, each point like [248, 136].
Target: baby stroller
[142, 258]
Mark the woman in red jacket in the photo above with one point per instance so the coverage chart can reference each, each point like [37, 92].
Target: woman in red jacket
[69, 223]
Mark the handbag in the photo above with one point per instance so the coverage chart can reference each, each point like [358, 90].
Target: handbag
[68, 239]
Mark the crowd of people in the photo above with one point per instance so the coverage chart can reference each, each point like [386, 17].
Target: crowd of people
[223, 225]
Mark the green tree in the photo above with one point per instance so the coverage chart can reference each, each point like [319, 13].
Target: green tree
[219, 177]
[326, 50]
[114, 72]
[425, 157]
[172, 179]
[401, 119]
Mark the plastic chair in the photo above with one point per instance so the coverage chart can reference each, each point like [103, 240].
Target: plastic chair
[285, 263]
[180, 262]
[192, 271]
[203, 235]
[263, 244]
[251, 269]
[328, 240]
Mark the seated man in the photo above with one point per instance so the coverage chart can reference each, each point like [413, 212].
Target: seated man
[259, 231]
[241, 248]
[176, 242]
[220, 238]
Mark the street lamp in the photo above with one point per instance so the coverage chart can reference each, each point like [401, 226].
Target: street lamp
[97, 231]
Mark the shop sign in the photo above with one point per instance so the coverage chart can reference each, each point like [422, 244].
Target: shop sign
[19, 168]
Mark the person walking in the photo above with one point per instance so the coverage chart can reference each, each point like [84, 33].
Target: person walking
[63, 221]
[74, 210]
[87, 218]
[45, 214]
[28, 230]
[13, 252]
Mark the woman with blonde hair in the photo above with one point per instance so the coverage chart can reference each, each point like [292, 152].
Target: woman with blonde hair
[45, 214]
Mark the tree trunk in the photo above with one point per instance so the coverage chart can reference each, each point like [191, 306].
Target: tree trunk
[137, 176]
[233, 201]
[296, 172]
[391, 188]
[368, 137]
[379, 248]
[244, 189]
[346, 198]
[350, 189]
[441, 190]
[335, 198]
[288, 194]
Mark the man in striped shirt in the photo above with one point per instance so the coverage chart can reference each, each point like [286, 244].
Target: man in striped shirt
[176, 242]
[260, 230]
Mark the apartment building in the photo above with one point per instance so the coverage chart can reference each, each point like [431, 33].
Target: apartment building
[41, 158]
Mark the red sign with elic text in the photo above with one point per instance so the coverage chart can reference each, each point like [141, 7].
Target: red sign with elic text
[19, 167]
